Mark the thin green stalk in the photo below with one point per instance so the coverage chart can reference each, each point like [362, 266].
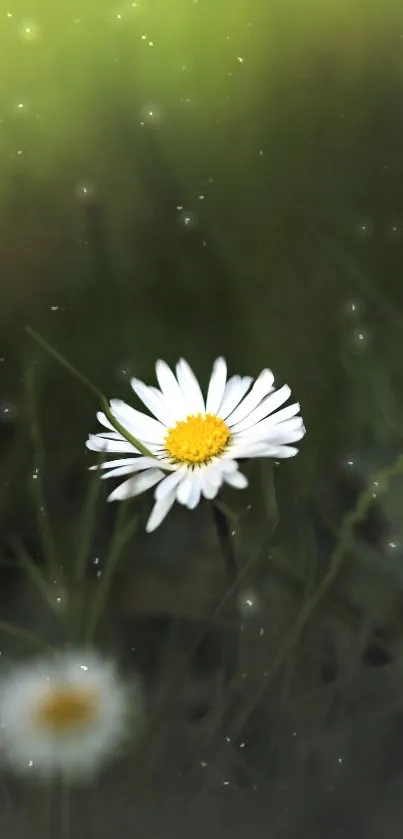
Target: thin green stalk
[230, 645]
[232, 589]
[123, 532]
[352, 269]
[65, 809]
[224, 538]
[227, 511]
[337, 607]
[321, 592]
[76, 614]
[86, 530]
[144, 751]
[42, 515]
[352, 519]
[34, 573]
[48, 806]
[24, 635]
[86, 382]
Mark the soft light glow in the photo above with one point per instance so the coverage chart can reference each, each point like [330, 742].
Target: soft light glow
[29, 32]
[67, 714]
[66, 710]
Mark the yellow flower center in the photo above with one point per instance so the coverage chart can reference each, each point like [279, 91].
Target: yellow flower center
[66, 709]
[197, 439]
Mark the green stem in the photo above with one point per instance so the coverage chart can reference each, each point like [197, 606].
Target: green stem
[224, 538]
[230, 644]
[86, 382]
[65, 808]
[18, 632]
[48, 801]
[145, 751]
[86, 531]
[34, 573]
[123, 431]
[45, 529]
[123, 533]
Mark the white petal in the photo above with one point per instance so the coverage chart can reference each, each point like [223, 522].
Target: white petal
[103, 419]
[157, 392]
[169, 483]
[98, 444]
[228, 465]
[190, 388]
[235, 390]
[110, 435]
[160, 510]
[137, 485]
[237, 480]
[139, 465]
[153, 401]
[215, 475]
[265, 430]
[188, 491]
[147, 429]
[217, 386]
[263, 449]
[171, 390]
[211, 481]
[110, 464]
[281, 452]
[286, 413]
[270, 404]
[263, 385]
[287, 435]
[164, 462]
[119, 472]
[183, 489]
[250, 448]
[195, 496]
[209, 488]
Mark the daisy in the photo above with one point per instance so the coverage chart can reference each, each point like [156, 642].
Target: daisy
[62, 715]
[195, 444]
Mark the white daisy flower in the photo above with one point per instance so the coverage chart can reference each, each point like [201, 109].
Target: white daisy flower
[62, 715]
[195, 444]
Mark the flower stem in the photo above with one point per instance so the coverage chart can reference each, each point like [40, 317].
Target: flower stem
[86, 382]
[124, 531]
[65, 809]
[230, 645]
[224, 537]
[45, 529]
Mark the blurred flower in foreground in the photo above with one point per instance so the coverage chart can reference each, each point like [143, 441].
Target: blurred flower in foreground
[62, 715]
[196, 442]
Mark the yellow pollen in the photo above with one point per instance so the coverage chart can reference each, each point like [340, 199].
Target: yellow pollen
[67, 709]
[197, 439]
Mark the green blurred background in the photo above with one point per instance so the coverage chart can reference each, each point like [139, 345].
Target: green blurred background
[202, 177]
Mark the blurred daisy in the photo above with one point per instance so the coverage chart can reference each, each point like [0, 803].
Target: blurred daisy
[65, 714]
[197, 442]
